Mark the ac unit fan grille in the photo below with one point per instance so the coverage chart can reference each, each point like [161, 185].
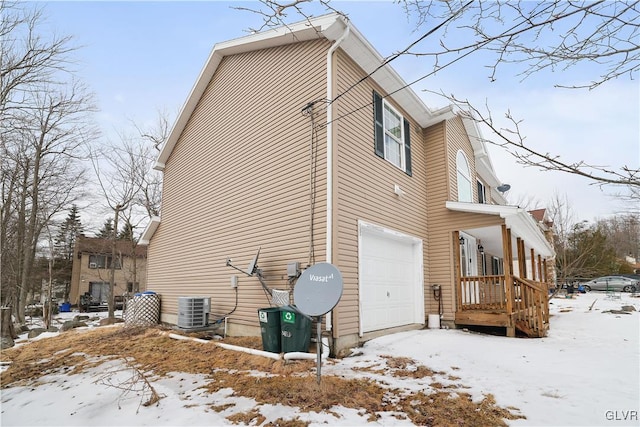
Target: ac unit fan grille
[193, 312]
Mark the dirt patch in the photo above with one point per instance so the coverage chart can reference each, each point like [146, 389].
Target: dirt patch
[265, 380]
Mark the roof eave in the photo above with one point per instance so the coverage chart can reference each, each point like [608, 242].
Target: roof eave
[149, 230]
[330, 27]
[302, 31]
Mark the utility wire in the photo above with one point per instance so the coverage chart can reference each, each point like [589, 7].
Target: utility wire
[405, 50]
[313, 165]
[481, 45]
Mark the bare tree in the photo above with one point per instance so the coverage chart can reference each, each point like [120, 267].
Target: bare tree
[583, 250]
[511, 139]
[274, 13]
[118, 169]
[529, 36]
[623, 234]
[132, 189]
[29, 60]
[564, 223]
[42, 145]
[151, 181]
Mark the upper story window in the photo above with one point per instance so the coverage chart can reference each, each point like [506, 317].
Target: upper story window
[391, 134]
[103, 261]
[465, 193]
[482, 193]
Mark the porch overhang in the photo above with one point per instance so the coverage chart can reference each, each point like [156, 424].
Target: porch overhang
[517, 219]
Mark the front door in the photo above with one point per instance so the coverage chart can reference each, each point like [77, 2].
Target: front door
[469, 267]
[468, 255]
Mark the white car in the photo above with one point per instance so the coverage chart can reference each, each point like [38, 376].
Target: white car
[612, 283]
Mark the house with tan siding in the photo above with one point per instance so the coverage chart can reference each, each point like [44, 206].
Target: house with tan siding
[302, 143]
[91, 269]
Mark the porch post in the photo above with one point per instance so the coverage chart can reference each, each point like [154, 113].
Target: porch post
[457, 281]
[533, 265]
[508, 279]
[522, 265]
[540, 275]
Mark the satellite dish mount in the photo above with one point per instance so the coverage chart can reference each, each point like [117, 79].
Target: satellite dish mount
[316, 293]
[252, 270]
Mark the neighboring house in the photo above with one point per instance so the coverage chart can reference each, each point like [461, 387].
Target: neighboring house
[91, 269]
[402, 199]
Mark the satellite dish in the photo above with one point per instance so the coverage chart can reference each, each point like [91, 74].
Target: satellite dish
[504, 187]
[318, 289]
[253, 264]
[316, 293]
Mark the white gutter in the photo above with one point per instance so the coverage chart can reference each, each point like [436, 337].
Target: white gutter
[329, 237]
[329, 243]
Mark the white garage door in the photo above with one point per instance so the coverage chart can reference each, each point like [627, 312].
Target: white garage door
[390, 276]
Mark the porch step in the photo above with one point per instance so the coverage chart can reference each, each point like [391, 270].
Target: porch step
[523, 327]
[482, 318]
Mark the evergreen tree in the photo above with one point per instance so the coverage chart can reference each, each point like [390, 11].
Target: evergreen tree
[126, 233]
[64, 245]
[69, 230]
[106, 232]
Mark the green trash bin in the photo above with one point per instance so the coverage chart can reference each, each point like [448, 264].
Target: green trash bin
[270, 328]
[296, 330]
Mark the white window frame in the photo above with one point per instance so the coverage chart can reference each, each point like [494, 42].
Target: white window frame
[482, 194]
[463, 177]
[497, 266]
[386, 132]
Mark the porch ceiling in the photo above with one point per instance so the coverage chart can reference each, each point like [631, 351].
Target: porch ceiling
[517, 219]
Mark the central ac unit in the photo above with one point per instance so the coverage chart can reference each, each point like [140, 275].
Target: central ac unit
[193, 312]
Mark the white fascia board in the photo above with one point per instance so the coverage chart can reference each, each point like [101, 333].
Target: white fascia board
[302, 31]
[445, 113]
[487, 172]
[187, 109]
[517, 219]
[329, 26]
[149, 230]
[369, 59]
[498, 196]
[483, 208]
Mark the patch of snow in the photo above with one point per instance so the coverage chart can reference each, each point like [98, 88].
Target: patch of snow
[586, 372]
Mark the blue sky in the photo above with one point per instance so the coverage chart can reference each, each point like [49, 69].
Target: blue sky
[141, 57]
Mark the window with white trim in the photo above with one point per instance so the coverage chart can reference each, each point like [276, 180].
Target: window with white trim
[482, 193]
[497, 265]
[391, 134]
[103, 261]
[465, 194]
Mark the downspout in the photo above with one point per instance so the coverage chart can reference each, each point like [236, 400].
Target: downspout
[329, 236]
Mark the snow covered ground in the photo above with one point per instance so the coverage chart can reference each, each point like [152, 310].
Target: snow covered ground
[586, 372]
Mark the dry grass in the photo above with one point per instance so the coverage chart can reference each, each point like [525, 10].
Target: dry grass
[287, 383]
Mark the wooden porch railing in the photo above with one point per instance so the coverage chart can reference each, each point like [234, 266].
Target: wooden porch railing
[531, 307]
[525, 302]
[482, 293]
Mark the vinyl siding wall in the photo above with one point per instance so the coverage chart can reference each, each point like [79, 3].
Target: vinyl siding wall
[364, 185]
[443, 142]
[239, 179]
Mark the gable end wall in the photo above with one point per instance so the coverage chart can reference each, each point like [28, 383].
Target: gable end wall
[238, 180]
